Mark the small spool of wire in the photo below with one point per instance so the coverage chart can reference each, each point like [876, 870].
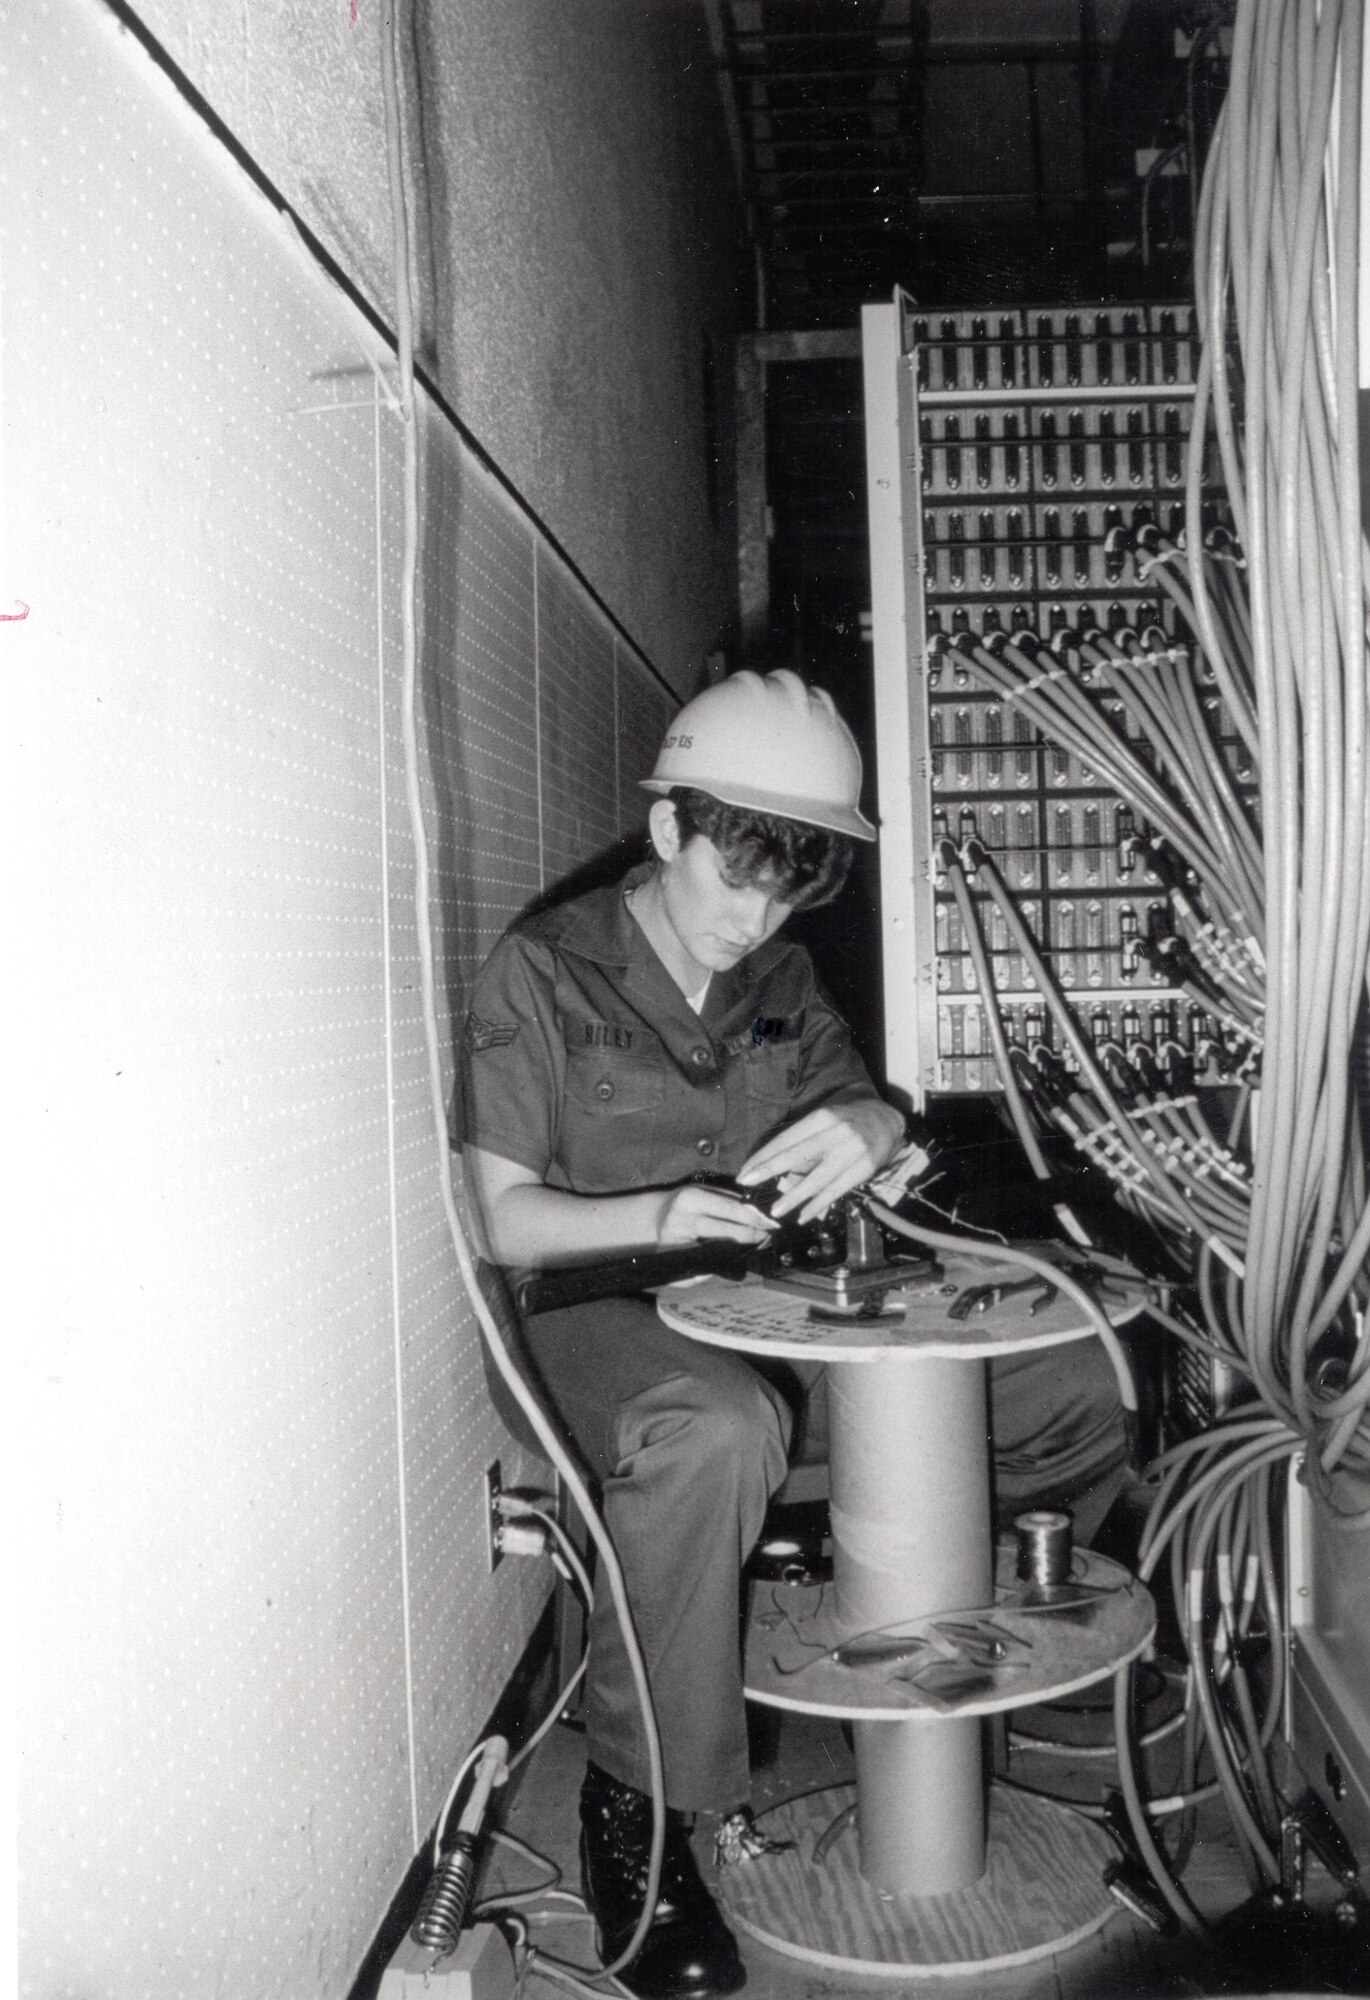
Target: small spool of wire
[1044, 1546]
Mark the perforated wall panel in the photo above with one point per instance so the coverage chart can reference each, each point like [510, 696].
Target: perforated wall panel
[576, 210]
[258, 1628]
[480, 784]
[576, 706]
[478, 642]
[215, 1739]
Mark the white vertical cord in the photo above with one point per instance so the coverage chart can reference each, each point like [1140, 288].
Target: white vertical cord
[395, 1327]
[537, 708]
[544, 1431]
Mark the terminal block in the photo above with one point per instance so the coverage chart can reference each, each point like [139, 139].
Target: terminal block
[1042, 459]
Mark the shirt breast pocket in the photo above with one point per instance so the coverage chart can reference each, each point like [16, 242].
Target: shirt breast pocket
[611, 1087]
[772, 1075]
[611, 1122]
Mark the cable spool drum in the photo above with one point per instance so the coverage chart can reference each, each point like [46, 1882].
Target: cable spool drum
[912, 1539]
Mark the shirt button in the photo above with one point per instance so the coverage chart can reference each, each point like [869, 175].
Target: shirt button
[704, 1146]
[699, 1057]
[604, 1090]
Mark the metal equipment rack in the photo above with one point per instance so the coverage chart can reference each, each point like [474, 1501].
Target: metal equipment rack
[1011, 456]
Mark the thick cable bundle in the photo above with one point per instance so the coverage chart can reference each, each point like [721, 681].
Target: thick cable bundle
[1243, 747]
[1279, 252]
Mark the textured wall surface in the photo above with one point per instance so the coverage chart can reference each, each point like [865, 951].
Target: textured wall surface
[576, 248]
[258, 1628]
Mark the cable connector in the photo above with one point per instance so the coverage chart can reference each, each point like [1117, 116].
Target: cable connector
[520, 1532]
[1129, 1884]
[523, 1538]
[514, 1504]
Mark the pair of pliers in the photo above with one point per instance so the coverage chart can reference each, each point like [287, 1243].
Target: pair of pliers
[979, 1298]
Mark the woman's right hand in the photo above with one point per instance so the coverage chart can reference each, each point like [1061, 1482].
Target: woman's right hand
[696, 1213]
[524, 1223]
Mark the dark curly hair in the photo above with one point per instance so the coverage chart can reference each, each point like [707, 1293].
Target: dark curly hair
[807, 863]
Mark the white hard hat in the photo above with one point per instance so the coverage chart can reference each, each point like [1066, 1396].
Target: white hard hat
[769, 745]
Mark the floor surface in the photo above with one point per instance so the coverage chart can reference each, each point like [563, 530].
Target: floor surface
[1125, 1960]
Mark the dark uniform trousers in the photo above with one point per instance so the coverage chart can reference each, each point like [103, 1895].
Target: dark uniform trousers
[688, 1444]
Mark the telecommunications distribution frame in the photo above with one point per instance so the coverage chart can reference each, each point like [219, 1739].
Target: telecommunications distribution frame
[1024, 468]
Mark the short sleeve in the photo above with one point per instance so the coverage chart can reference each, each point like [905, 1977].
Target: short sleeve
[510, 1062]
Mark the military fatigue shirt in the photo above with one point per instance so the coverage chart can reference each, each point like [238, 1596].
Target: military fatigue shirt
[583, 1060]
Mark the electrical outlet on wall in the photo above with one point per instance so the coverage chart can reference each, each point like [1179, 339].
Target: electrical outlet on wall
[494, 1524]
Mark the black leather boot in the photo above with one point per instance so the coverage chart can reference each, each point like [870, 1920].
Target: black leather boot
[689, 1952]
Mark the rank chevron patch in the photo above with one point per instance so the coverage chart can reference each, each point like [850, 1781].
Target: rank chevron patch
[482, 1035]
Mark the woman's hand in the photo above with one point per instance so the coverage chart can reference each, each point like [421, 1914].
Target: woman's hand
[522, 1222]
[831, 1151]
[695, 1214]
